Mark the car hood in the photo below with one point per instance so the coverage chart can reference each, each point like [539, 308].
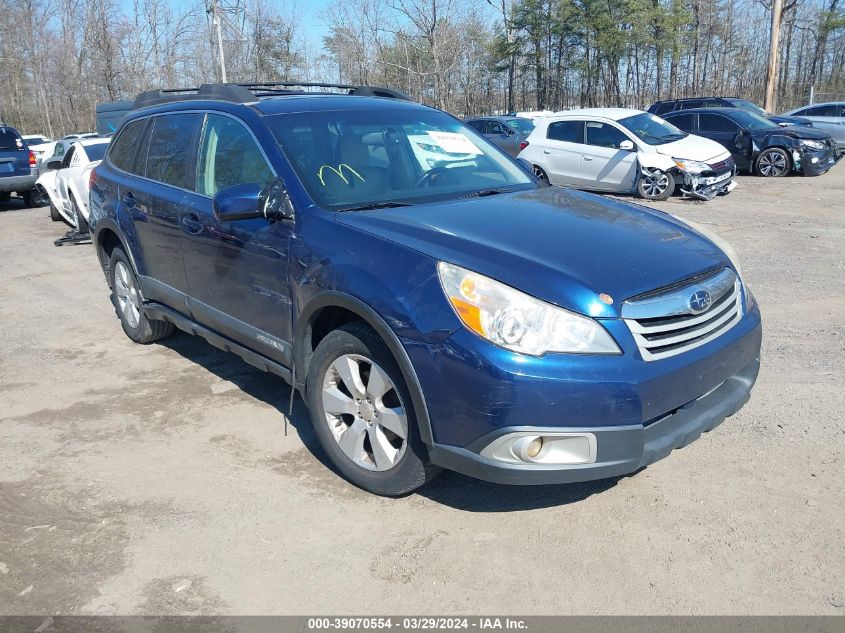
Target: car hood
[795, 132]
[560, 245]
[694, 147]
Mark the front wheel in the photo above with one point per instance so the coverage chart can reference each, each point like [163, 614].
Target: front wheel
[363, 415]
[773, 163]
[538, 171]
[126, 298]
[655, 184]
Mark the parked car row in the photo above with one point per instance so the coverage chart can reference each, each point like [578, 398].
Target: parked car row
[693, 150]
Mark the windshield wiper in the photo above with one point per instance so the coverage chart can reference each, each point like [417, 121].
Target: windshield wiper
[485, 192]
[384, 204]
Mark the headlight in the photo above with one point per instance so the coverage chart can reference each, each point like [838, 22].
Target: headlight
[816, 145]
[516, 321]
[691, 166]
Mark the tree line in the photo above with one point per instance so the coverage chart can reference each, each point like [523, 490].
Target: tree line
[58, 58]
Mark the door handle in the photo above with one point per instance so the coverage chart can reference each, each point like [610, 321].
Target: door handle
[192, 223]
[547, 151]
[588, 158]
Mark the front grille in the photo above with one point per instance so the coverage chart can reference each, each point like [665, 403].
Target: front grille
[723, 165]
[664, 324]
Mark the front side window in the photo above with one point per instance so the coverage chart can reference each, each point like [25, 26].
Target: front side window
[352, 158]
[604, 135]
[169, 153]
[716, 123]
[124, 149]
[654, 130]
[825, 110]
[228, 156]
[567, 131]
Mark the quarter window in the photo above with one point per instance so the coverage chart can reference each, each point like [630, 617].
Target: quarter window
[567, 131]
[171, 141]
[124, 149]
[229, 156]
[604, 135]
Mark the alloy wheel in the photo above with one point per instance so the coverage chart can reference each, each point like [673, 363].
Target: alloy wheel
[772, 164]
[364, 412]
[128, 300]
[655, 183]
[541, 175]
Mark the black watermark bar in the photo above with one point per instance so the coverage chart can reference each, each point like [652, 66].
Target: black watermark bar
[437, 624]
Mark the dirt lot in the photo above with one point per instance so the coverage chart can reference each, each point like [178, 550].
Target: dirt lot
[158, 479]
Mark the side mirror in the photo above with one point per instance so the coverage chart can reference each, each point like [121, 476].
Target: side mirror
[239, 202]
[626, 145]
[56, 163]
[275, 203]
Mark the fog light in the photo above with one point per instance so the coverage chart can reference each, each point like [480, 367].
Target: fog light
[534, 447]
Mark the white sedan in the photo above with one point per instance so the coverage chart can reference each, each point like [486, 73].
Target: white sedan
[66, 181]
[626, 151]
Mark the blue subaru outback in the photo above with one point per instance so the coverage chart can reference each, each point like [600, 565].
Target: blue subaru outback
[434, 304]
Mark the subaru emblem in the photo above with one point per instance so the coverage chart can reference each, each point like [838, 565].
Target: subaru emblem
[699, 301]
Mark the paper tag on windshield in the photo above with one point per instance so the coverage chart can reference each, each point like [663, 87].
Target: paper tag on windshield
[454, 143]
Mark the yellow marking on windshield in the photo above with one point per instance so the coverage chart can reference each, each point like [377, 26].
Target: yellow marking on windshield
[338, 172]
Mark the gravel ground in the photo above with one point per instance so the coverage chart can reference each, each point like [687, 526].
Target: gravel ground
[158, 479]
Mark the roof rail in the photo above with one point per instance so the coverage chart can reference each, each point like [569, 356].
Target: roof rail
[247, 93]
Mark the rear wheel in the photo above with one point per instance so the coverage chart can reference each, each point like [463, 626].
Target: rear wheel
[656, 184]
[81, 222]
[126, 298]
[363, 415]
[773, 163]
[538, 171]
[31, 198]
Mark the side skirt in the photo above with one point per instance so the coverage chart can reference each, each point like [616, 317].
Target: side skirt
[163, 313]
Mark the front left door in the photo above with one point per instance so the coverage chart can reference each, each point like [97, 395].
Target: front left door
[605, 165]
[237, 271]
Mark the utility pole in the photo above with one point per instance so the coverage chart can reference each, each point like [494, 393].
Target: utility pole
[772, 71]
[227, 20]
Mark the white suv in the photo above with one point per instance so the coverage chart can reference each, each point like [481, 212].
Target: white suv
[626, 151]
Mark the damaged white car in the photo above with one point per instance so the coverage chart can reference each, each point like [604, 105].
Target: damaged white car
[627, 151]
[66, 181]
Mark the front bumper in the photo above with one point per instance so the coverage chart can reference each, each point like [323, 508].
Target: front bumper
[18, 183]
[708, 187]
[635, 411]
[620, 450]
[816, 163]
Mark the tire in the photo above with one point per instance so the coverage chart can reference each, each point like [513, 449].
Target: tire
[127, 302]
[55, 216]
[541, 174]
[375, 457]
[81, 222]
[31, 198]
[5, 196]
[657, 185]
[773, 163]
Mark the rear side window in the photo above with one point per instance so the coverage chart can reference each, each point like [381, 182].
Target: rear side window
[604, 135]
[9, 140]
[692, 103]
[478, 126]
[681, 121]
[171, 144]
[716, 123]
[568, 131]
[124, 149]
[229, 156]
[662, 107]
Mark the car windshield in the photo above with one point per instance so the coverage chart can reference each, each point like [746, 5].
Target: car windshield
[747, 105]
[349, 159]
[96, 151]
[752, 121]
[523, 126]
[652, 129]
